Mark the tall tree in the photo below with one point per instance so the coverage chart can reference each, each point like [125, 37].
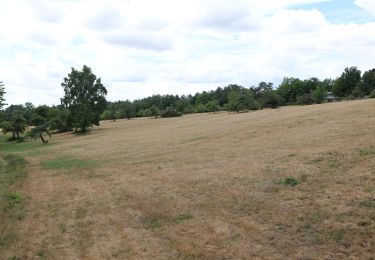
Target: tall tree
[2, 93]
[347, 82]
[367, 84]
[84, 97]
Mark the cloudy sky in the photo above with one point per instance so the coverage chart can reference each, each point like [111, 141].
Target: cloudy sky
[145, 47]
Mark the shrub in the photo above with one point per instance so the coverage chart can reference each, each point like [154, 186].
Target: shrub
[13, 199]
[170, 112]
[372, 94]
[290, 181]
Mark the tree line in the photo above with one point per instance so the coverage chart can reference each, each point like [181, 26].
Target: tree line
[84, 103]
[292, 91]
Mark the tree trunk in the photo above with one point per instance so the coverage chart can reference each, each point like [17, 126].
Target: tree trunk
[43, 140]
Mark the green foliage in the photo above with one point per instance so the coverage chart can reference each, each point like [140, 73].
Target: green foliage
[170, 112]
[305, 99]
[154, 111]
[84, 97]
[318, 96]
[367, 85]
[347, 82]
[126, 110]
[2, 93]
[158, 221]
[212, 106]
[270, 99]
[13, 199]
[60, 119]
[200, 108]
[41, 127]
[290, 181]
[16, 127]
[241, 100]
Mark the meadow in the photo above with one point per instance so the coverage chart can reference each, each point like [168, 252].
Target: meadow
[296, 182]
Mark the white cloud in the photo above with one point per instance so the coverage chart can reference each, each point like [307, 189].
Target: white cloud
[368, 5]
[144, 47]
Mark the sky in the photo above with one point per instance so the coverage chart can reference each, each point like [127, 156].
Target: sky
[144, 47]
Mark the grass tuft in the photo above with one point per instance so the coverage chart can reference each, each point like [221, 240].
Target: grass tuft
[289, 181]
[158, 221]
[13, 199]
[369, 203]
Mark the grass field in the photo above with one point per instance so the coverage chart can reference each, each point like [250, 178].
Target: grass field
[295, 182]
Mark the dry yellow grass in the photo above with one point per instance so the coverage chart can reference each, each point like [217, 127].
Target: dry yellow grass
[208, 187]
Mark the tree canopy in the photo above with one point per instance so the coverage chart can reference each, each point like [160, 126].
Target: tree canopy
[84, 98]
[2, 93]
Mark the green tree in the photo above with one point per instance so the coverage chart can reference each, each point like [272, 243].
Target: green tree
[345, 84]
[212, 106]
[84, 97]
[367, 84]
[154, 111]
[319, 95]
[16, 126]
[241, 100]
[126, 110]
[41, 128]
[2, 93]
[270, 99]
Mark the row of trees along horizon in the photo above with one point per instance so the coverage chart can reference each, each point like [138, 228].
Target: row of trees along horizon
[84, 103]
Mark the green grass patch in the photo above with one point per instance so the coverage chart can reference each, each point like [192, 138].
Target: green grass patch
[289, 181]
[195, 139]
[11, 147]
[180, 218]
[369, 189]
[12, 173]
[367, 151]
[12, 170]
[27, 148]
[13, 199]
[158, 221]
[67, 164]
[369, 203]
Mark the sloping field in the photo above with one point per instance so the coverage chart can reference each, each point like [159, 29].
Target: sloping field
[296, 182]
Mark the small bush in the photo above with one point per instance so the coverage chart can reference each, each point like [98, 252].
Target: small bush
[372, 94]
[13, 199]
[290, 181]
[170, 112]
[370, 203]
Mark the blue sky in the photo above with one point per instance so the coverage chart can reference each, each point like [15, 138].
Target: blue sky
[145, 47]
[342, 11]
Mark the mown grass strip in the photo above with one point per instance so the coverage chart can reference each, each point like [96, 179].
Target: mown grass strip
[12, 173]
[67, 164]
[157, 221]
